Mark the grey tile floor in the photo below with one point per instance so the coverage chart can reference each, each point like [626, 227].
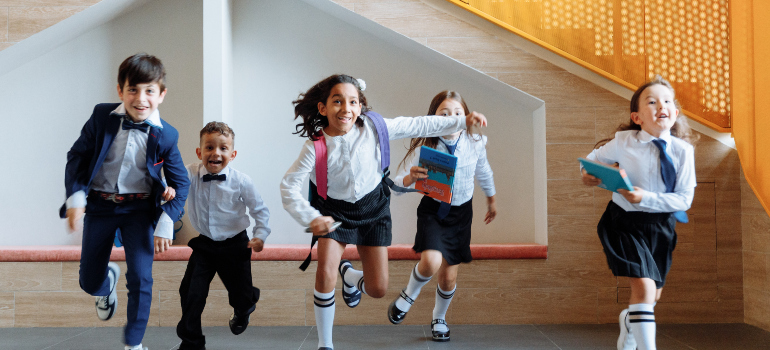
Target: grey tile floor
[472, 337]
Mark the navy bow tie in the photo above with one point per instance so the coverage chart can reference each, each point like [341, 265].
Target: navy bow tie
[128, 125]
[668, 173]
[209, 177]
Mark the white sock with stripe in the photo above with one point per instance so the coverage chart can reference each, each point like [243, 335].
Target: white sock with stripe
[443, 299]
[641, 318]
[357, 279]
[324, 317]
[413, 288]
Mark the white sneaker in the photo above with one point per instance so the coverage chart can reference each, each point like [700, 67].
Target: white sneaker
[626, 340]
[106, 305]
[138, 347]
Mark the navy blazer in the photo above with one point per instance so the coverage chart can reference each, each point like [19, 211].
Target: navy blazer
[86, 157]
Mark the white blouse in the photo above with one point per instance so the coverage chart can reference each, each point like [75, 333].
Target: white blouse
[471, 162]
[634, 151]
[353, 161]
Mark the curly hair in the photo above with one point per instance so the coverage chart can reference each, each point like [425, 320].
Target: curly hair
[681, 127]
[306, 105]
[218, 128]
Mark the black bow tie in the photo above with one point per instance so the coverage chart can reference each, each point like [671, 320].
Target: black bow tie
[209, 177]
[128, 125]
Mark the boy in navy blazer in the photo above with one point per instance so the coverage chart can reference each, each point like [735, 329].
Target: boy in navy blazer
[113, 176]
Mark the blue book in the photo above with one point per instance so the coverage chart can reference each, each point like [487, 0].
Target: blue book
[612, 178]
[441, 174]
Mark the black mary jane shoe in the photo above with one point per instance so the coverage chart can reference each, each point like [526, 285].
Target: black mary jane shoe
[395, 315]
[437, 335]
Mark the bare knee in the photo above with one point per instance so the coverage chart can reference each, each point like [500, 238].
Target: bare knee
[325, 278]
[430, 263]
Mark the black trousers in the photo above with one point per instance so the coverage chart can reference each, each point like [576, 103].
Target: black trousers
[231, 260]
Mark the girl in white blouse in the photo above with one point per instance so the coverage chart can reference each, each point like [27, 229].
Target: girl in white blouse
[443, 230]
[357, 195]
[637, 228]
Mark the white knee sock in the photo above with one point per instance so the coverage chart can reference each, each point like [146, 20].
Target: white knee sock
[354, 278]
[641, 318]
[443, 299]
[324, 317]
[412, 290]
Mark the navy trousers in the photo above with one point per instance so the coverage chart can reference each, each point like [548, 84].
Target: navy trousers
[137, 228]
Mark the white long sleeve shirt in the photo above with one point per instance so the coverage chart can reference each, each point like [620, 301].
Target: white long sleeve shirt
[471, 162]
[353, 161]
[218, 208]
[635, 153]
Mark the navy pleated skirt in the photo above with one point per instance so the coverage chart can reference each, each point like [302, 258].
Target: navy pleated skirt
[450, 235]
[638, 244]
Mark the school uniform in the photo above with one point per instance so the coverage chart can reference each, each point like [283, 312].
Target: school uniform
[218, 206]
[357, 194]
[451, 235]
[114, 171]
[639, 238]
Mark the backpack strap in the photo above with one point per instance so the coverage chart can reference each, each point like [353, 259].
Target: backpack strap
[321, 170]
[382, 135]
[384, 139]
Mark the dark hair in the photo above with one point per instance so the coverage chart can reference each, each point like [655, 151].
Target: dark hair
[681, 127]
[142, 69]
[306, 105]
[432, 142]
[219, 128]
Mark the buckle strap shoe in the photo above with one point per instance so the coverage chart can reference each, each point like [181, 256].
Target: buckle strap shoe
[354, 298]
[396, 315]
[439, 335]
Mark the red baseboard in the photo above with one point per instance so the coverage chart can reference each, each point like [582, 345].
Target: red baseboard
[272, 252]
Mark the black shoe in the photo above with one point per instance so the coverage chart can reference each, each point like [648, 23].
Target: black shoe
[239, 322]
[351, 299]
[437, 335]
[325, 348]
[395, 315]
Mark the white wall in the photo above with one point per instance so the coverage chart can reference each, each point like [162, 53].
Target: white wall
[282, 48]
[46, 101]
[279, 49]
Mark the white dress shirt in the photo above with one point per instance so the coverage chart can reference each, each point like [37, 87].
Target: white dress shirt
[218, 208]
[124, 169]
[471, 161]
[353, 161]
[635, 153]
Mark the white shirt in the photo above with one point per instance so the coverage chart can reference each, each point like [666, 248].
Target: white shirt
[124, 169]
[471, 161]
[640, 158]
[218, 208]
[353, 161]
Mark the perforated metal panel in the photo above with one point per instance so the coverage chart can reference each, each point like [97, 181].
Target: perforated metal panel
[687, 42]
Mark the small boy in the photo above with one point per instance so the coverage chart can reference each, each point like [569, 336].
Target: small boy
[113, 175]
[219, 199]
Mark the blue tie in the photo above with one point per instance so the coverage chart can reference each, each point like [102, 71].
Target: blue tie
[128, 125]
[210, 177]
[668, 173]
[443, 207]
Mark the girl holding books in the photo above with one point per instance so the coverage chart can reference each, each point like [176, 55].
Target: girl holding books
[637, 228]
[336, 111]
[443, 229]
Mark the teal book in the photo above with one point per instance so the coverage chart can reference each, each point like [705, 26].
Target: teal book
[612, 178]
[441, 174]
